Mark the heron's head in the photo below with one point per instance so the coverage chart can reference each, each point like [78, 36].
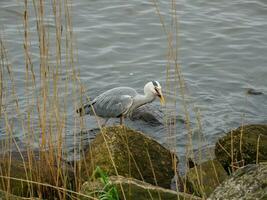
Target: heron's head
[154, 88]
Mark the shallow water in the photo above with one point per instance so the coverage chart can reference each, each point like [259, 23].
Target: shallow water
[223, 53]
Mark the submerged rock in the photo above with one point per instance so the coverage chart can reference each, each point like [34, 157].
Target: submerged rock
[148, 114]
[249, 182]
[202, 179]
[134, 189]
[154, 116]
[242, 146]
[252, 91]
[121, 151]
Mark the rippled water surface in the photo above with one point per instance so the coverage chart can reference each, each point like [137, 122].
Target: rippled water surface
[222, 50]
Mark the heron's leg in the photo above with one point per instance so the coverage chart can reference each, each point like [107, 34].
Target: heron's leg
[102, 121]
[121, 119]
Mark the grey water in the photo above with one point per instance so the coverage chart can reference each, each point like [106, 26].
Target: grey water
[222, 53]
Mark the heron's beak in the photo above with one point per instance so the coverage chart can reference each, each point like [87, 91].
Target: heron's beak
[161, 98]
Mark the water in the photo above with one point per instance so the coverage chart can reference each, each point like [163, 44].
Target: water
[223, 52]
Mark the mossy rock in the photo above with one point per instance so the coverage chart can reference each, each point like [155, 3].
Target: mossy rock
[7, 196]
[39, 171]
[134, 189]
[202, 179]
[242, 146]
[17, 170]
[249, 182]
[134, 155]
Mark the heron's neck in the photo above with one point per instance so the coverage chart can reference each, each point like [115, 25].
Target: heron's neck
[143, 99]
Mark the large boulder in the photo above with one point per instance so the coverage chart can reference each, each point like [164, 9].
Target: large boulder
[242, 146]
[43, 171]
[249, 182]
[202, 179]
[134, 189]
[7, 196]
[121, 151]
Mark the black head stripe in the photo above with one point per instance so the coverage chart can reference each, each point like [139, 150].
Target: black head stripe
[155, 83]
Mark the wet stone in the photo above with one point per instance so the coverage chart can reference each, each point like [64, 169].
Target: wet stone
[134, 155]
[242, 146]
[134, 189]
[202, 179]
[247, 183]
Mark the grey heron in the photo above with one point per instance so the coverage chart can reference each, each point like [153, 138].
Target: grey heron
[120, 102]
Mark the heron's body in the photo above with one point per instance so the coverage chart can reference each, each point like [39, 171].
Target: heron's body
[117, 102]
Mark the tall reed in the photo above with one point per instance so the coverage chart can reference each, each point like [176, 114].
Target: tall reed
[43, 118]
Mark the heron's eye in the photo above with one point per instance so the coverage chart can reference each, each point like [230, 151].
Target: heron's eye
[157, 91]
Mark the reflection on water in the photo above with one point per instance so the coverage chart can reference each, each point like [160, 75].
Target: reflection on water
[223, 51]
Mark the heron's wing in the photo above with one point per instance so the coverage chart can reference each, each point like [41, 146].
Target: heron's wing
[112, 105]
[118, 91]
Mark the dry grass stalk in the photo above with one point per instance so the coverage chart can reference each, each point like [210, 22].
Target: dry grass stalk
[52, 111]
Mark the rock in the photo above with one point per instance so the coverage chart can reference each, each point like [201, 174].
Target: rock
[149, 114]
[134, 155]
[252, 91]
[6, 196]
[202, 179]
[134, 189]
[154, 116]
[191, 163]
[41, 171]
[249, 182]
[245, 145]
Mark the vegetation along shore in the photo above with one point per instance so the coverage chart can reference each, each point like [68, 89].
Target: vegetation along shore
[41, 158]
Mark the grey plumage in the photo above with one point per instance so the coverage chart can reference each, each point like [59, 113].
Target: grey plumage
[114, 102]
[120, 101]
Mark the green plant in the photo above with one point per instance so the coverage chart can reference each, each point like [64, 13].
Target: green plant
[109, 191]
